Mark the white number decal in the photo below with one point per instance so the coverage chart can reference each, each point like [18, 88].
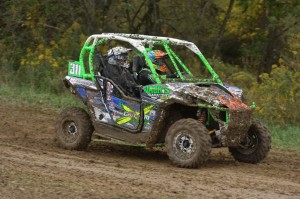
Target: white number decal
[75, 69]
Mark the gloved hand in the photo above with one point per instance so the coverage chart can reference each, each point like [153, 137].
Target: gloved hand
[135, 75]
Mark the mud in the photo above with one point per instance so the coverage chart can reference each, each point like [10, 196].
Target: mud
[32, 166]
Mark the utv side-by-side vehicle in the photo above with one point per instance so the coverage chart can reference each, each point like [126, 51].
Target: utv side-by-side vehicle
[187, 114]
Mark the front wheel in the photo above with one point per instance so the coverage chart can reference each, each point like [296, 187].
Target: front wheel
[74, 129]
[188, 143]
[256, 145]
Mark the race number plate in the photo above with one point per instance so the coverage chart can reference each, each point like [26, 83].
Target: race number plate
[74, 69]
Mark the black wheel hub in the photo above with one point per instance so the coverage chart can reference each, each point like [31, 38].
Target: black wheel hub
[186, 144]
[72, 129]
[250, 144]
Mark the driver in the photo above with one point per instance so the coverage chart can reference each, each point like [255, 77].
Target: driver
[118, 56]
[118, 69]
[141, 70]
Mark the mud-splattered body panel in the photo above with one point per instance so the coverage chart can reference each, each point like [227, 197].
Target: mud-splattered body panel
[108, 105]
[225, 108]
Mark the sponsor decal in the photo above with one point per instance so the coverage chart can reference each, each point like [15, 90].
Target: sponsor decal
[148, 109]
[157, 90]
[152, 113]
[109, 85]
[81, 91]
[146, 117]
[128, 115]
[111, 105]
[131, 115]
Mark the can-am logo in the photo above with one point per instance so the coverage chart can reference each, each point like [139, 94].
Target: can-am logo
[128, 114]
[162, 90]
[134, 115]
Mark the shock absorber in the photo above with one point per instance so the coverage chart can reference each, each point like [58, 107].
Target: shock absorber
[201, 114]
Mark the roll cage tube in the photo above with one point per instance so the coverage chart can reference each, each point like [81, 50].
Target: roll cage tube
[174, 57]
[138, 42]
[91, 49]
[168, 50]
[152, 69]
[210, 69]
[153, 39]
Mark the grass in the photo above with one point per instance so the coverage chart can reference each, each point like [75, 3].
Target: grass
[285, 136]
[282, 136]
[25, 96]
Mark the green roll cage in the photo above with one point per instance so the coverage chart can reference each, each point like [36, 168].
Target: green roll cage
[78, 68]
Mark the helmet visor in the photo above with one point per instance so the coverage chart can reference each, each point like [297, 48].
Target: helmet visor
[122, 57]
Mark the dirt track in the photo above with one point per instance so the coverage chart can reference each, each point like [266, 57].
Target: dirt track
[32, 166]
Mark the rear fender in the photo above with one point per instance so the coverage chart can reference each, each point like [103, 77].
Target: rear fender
[78, 87]
[78, 82]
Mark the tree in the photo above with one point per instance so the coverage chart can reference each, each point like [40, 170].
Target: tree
[223, 27]
[267, 29]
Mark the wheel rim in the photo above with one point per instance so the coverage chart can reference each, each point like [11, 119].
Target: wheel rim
[70, 131]
[184, 145]
[250, 144]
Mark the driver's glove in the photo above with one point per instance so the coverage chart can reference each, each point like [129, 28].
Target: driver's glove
[135, 75]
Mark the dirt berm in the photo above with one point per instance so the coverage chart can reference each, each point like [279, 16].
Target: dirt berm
[32, 166]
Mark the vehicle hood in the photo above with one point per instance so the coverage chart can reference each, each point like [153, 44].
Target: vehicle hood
[203, 93]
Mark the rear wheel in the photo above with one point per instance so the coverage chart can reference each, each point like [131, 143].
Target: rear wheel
[188, 143]
[74, 129]
[256, 145]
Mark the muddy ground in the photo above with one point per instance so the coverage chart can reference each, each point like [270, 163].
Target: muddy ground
[32, 166]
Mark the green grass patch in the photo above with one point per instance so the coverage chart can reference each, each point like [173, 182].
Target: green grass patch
[285, 136]
[25, 96]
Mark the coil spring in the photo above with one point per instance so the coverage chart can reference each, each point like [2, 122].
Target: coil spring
[202, 117]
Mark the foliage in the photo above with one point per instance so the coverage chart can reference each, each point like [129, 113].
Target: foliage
[278, 96]
[43, 66]
[38, 37]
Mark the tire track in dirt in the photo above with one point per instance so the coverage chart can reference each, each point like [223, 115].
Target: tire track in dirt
[111, 170]
[33, 167]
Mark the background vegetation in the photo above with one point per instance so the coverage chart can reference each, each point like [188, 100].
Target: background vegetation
[253, 44]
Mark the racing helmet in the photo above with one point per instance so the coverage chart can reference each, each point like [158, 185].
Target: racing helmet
[157, 59]
[118, 56]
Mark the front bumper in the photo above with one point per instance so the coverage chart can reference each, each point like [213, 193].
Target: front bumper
[234, 122]
[234, 131]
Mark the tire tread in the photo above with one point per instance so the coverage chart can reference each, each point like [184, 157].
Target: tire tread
[84, 124]
[200, 132]
[263, 148]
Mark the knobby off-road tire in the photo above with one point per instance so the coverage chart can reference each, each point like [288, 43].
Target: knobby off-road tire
[74, 129]
[256, 145]
[188, 143]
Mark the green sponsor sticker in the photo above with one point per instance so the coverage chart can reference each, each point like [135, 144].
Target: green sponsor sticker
[157, 90]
